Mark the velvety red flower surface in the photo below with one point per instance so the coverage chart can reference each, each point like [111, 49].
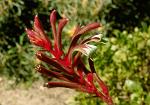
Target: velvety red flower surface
[68, 67]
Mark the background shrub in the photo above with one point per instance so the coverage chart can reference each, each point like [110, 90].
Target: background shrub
[18, 62]
[126, 14]
[123, 63]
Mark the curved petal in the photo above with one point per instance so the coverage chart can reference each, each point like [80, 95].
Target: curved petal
[66, 85]
[33, 37]
[52, 73]
[89, 27]
[81, 31]
[85, 49]
[53, 23]
[53, 62]
[95, 38]
[38, 26]
[61, 25]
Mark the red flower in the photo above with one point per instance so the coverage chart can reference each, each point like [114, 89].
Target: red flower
[68, 67]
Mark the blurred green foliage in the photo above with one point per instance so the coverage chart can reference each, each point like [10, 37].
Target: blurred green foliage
[127, 14]
[16, 54]
[78, 10]
[15, 16]
[18, 62]
[8, 10]
[124, 63]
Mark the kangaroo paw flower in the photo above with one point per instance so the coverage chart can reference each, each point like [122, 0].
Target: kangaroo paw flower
[68, 67]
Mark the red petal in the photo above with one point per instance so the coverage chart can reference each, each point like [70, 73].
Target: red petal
[79, 31]
[81, 75]
[85, 49]
[66, 85]
[61, 25]
[38, 26]
[102, 85]
[89, 27]
[52, 73]
[52, 62]
[33, 37]
[39, 29]
[53, 23]
[38, 37]
[95, 38]
[90, 78]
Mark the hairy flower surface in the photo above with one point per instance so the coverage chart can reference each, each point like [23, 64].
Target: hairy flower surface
[68, 67]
